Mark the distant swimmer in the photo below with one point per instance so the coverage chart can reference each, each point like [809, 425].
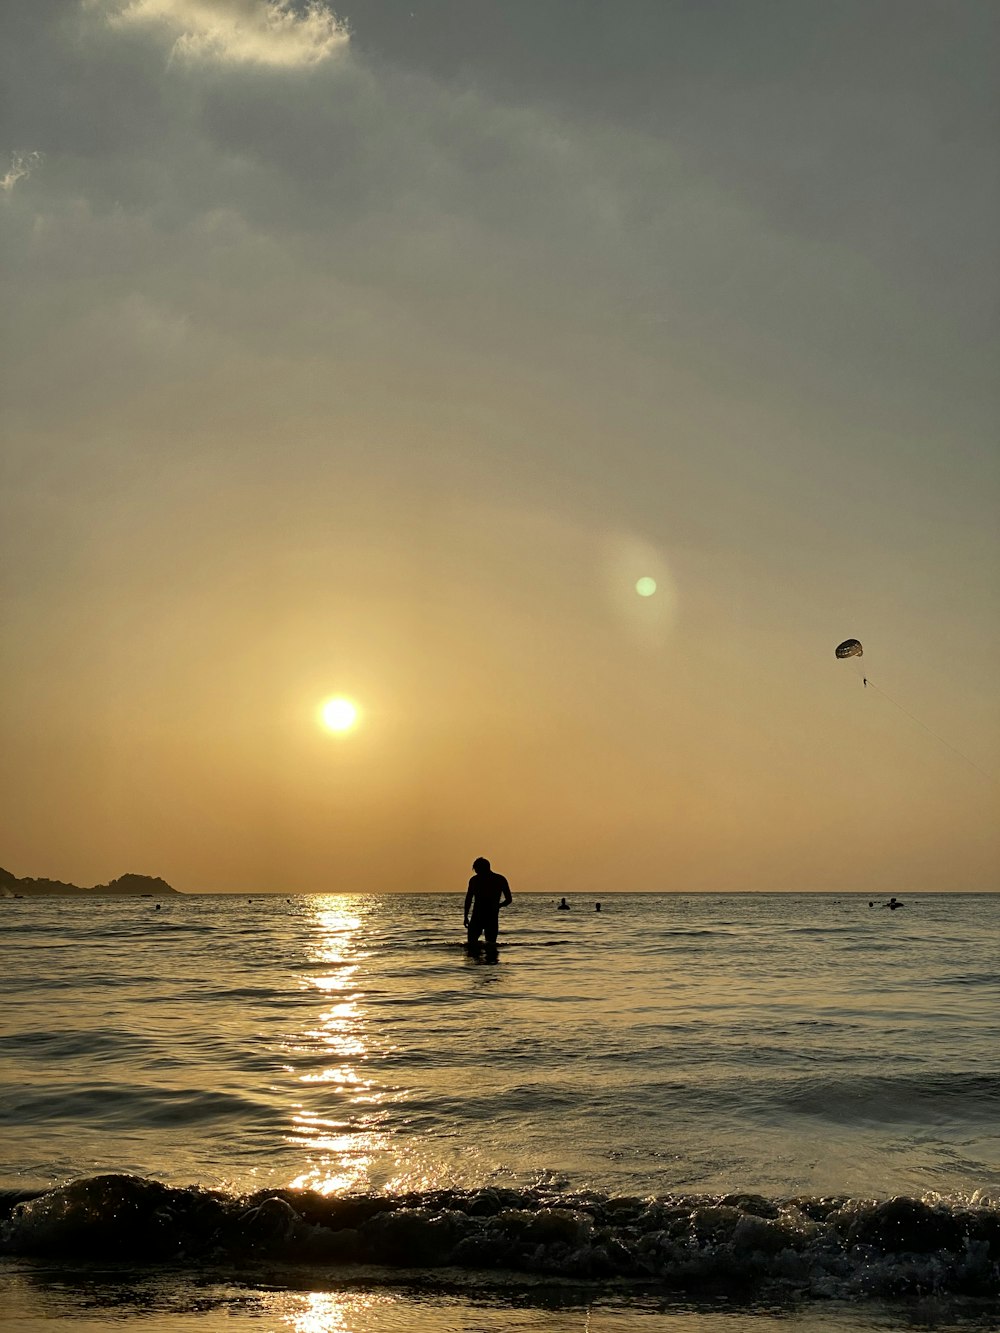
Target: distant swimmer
[487, 893]
[893, 903]
[562, 905]
[597, 907]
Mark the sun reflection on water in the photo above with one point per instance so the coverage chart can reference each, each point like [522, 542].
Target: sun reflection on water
[336, 1127]
[332, 1312]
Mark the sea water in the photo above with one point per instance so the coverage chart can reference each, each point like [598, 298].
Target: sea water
[321, 1113]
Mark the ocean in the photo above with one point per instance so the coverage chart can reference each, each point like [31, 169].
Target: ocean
[681, 1113]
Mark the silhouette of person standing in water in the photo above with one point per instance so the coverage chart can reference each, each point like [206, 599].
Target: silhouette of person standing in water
[487, 893]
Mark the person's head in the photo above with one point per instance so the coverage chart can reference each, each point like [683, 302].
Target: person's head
[480, 865]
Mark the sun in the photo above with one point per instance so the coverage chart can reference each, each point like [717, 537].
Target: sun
[338, 714]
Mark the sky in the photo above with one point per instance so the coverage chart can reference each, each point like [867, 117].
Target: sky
[378, 352]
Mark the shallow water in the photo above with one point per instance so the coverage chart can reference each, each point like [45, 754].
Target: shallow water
[102, 1301]
[778, 1045]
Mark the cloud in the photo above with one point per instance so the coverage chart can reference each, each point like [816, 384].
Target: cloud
[238, 32]
[21, 167]
[310, 217]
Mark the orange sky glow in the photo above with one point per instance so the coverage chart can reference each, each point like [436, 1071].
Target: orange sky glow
[562, 412]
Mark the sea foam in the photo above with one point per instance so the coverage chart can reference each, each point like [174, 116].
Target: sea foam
[812, 1246]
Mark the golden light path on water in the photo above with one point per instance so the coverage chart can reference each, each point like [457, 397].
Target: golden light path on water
[339, 1127]
[339, 1151]
[331, 1311]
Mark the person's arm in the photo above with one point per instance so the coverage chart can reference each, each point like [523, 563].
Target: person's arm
[505, 901]
[468, 903]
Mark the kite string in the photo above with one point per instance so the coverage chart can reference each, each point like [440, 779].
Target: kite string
[913, 718]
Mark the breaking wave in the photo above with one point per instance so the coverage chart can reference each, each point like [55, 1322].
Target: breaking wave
[824, 1247]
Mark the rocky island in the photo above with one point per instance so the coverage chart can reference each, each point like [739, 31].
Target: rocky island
[127, 885]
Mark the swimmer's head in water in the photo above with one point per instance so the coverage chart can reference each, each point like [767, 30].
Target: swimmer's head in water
[480, 863]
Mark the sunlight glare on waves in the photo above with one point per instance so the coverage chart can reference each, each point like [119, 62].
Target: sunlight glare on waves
[329, 1311]
[339, 1152]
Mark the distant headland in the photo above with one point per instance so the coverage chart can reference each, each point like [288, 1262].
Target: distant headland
[127, 885]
